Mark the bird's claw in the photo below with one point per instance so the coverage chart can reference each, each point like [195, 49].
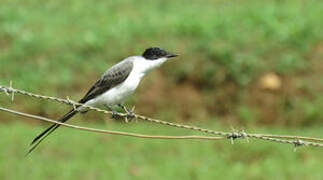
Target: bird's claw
[114, 115]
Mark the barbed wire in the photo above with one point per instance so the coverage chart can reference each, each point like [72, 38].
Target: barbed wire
[295, 140]
[107, 131]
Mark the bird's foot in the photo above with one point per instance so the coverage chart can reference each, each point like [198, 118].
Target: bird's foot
[114, 114]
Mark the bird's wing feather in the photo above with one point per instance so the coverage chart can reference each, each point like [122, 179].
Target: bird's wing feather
[111, 78]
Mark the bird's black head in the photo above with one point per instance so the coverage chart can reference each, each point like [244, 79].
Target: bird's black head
[154, 53]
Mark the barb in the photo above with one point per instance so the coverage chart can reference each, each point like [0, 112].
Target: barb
[295, 140]
[13, 93]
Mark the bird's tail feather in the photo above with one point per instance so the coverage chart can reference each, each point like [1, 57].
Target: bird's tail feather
[49, 130]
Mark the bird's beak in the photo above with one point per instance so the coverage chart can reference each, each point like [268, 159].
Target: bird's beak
[170, 55]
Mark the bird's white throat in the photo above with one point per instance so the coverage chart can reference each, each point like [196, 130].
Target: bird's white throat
[142, 66]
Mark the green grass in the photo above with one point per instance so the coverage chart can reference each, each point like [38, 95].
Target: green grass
[60, 48]
[243, 38]
[73, 154]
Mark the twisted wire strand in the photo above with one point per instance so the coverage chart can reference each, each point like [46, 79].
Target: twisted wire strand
[296, 140]
[108, 131]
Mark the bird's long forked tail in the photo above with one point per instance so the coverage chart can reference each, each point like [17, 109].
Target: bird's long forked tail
[49, 130]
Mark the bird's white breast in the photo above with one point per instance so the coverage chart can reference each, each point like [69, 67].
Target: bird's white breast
[118, 93]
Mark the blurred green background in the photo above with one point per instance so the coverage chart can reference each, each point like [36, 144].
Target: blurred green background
[253, 64]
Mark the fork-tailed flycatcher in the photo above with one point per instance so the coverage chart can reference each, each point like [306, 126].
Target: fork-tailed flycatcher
[116, 84]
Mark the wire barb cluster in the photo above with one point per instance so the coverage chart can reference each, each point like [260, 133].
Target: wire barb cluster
[297, 141]
[234, 135]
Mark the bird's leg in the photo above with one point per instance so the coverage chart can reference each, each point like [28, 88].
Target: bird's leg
[114, 113]
[130, 114]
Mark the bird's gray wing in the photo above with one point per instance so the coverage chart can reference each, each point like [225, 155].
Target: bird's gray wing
[111, 78]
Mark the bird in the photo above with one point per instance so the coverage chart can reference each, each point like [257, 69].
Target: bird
[115, 85]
